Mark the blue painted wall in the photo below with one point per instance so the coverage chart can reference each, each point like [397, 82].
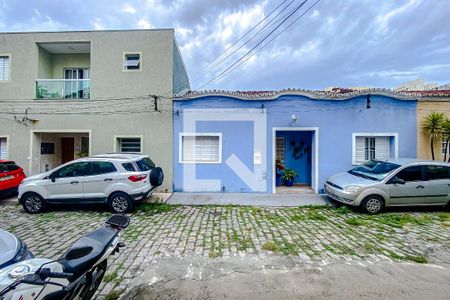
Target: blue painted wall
[337, 120]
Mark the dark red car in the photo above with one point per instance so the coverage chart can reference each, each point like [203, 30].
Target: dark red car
[11, 175]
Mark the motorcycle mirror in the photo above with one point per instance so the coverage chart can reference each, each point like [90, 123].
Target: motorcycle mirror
[79, 252]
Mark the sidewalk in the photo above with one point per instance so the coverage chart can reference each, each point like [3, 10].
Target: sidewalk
[253, 199]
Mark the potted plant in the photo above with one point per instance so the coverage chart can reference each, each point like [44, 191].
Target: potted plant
[289, 176]
[81, 154]
[279, 172]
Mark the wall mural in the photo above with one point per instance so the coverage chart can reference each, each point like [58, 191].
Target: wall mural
[299, 149]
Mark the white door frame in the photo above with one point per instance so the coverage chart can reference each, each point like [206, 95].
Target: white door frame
[32, 132]
[316, 154]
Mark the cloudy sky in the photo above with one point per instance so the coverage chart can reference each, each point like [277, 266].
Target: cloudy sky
[378, 43]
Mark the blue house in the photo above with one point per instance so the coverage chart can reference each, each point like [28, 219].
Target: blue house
[237, 141]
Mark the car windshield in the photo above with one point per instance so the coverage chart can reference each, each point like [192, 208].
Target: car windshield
[373, 169]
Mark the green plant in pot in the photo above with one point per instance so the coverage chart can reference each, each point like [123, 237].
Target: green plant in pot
[289, 176]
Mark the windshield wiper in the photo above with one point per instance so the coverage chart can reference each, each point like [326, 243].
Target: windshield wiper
[362, 175]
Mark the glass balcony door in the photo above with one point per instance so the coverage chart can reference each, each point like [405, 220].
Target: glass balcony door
[76, 84]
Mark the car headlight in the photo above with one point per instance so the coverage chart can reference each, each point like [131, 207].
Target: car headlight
[352, 188]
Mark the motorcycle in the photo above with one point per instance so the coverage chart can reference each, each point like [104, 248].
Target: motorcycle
[77, 274]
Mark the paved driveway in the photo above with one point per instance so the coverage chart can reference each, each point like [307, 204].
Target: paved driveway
[308, 235]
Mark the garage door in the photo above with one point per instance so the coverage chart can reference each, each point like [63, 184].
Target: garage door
[3, 149]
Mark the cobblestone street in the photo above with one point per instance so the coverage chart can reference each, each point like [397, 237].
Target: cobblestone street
[312, 235]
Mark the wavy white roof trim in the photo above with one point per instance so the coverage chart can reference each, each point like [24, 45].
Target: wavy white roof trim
[319, 95]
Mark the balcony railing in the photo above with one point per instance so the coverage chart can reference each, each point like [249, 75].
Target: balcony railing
[63, 88]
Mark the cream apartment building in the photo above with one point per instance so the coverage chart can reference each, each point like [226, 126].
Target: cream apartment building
[65, 95]
[429, 102]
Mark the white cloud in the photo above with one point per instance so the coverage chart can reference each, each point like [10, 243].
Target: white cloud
[97, 23]
[384, 19]
[144, 24]
[235, 23]
[183, 32]
[129, 9]
[311, 48]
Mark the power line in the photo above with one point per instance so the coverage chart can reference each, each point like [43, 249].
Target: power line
[241, 46]
[238, 63]
[266, 26]
[75, 100]
[254, 47]
[239, 39]
[265, 45]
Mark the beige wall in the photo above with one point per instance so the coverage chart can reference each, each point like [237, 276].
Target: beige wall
[54, 160]
[64, 61]
[44, 64]
[106, 61]
[104, 119]
[425, 107]
[52, 65]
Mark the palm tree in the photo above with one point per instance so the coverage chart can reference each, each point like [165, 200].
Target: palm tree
[432, 125]
[446, 136]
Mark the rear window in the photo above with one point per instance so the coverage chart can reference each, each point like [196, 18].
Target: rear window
[8, 167]
[437, 172]
[128, 167]
[145, 164]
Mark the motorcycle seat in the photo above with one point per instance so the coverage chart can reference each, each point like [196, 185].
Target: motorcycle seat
[99, 240]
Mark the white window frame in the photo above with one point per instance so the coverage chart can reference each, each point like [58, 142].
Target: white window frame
[6, 136]
[283, 161]
[124, 59]
[117, 137]
[9, 68]
[371, 134]
[180, 148]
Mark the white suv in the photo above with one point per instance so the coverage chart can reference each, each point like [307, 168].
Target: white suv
[118, 180]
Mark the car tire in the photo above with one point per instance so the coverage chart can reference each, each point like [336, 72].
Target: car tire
[372, 205]
[33, 203]
[120, 203]
[156, 176]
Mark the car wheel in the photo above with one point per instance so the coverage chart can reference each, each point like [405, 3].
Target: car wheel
[156, 176]
[372, 205]
[33, 203]
[120, 203]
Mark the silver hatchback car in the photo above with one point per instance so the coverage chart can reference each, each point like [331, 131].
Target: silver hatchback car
[377, 184]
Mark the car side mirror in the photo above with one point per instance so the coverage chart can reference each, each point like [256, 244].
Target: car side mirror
[52, 177]
[79, 252]
[396, 180]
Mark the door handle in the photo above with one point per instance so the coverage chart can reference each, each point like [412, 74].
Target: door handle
[107, 179]
[74, 182]
[420, 187]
